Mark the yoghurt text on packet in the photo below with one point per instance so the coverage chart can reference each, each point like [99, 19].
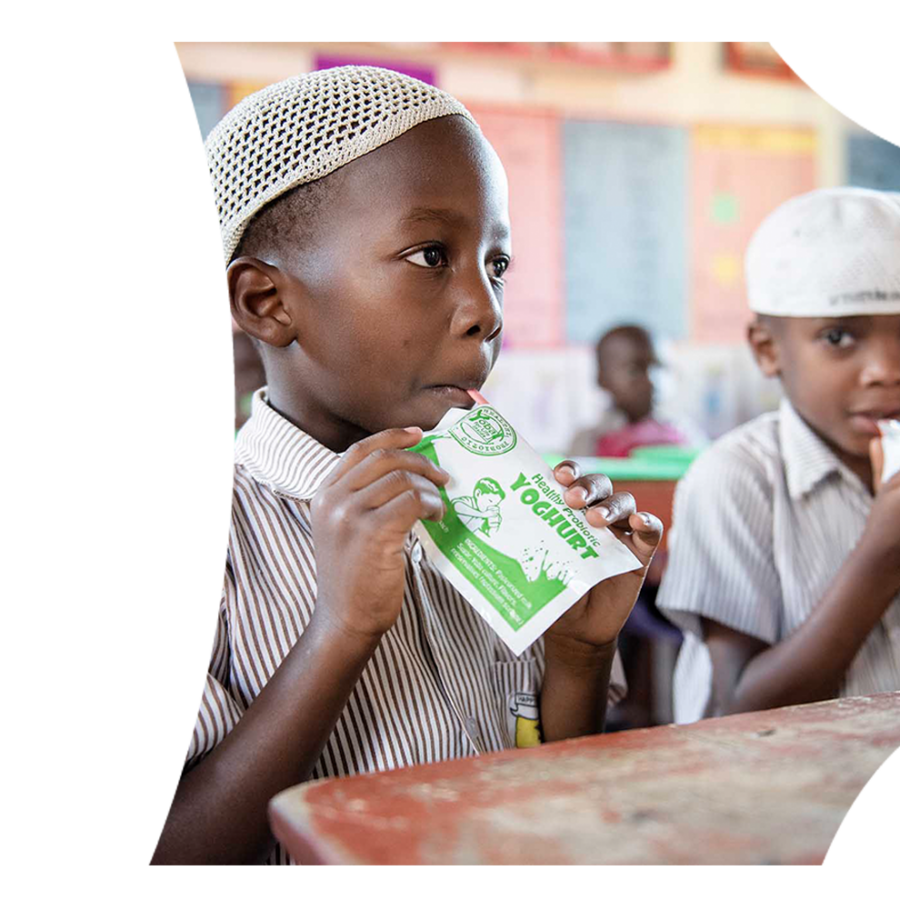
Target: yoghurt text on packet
[890, 441]
[508, 541]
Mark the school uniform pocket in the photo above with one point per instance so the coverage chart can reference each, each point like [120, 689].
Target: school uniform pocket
[516, 691]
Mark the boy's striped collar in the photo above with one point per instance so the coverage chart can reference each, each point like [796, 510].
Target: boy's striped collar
[808, 460]
[278, 454]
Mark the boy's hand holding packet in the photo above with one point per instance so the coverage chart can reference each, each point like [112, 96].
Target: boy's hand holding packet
[879, 541]
[886, 450]
[529, 547]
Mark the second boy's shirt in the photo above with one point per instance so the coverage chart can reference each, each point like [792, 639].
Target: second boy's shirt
[762, 523]
[440, 684]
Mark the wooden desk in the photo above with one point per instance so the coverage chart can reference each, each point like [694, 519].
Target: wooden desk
[769, 787]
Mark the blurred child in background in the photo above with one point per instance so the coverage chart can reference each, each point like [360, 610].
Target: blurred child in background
[625, 360]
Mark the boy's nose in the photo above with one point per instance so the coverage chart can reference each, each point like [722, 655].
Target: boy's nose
[479, 312]
[883, 363]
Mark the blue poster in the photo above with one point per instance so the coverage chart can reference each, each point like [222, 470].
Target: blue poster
[209, 104]
[872, 163]
[625, 222]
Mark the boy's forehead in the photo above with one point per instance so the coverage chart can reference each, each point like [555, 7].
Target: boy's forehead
[431, 156]
[803, 324]
[441, 172]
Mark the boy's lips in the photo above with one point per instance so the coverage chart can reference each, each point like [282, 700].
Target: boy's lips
[866, 420]
[454, 389]
[455, 394]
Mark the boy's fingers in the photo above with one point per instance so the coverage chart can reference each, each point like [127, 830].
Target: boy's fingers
[647, 532]
[612, 511]
[382, 461]
[393, 484]
[400, 514]
[566, 472]
[391, 439]
[876, 454]
[588, 490]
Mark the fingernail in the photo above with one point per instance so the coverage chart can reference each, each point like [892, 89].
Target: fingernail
[413, 429]
[604, 512]
[578, 493]
[566, 470]
[645, 519]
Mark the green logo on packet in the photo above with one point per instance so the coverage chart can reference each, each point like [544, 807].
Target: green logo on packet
[485, 432]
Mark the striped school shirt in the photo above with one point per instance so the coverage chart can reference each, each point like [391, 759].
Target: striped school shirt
[762, 522]
[440, 684]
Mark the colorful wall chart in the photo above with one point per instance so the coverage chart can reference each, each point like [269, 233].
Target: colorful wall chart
[873, 162]
[624, 223]
[626, 56]
[528, 146]
[738, 176]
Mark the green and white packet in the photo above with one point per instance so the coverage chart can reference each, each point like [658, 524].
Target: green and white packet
[890, 442]
[508, 542]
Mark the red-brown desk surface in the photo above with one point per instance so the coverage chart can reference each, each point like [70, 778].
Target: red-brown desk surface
[769, 787]
[655, 497]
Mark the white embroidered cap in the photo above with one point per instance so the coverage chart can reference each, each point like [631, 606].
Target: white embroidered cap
[831, 252]
[303, 128]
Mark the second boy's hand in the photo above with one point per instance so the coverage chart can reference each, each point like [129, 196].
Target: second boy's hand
[810, 664]
[580, 645]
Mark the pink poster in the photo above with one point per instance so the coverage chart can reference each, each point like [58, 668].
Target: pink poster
[529, 146]
[739, 175]
[423, 73]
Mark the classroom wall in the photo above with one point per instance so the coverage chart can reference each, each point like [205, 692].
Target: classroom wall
[633, 193]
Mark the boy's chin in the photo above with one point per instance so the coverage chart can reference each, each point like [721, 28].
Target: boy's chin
[855, 443]
[840, 436]
[427, 421]
[425, 409]
[432, 422]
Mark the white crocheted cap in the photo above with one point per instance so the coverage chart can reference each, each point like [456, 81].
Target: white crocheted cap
[303, 128]
[831, 252]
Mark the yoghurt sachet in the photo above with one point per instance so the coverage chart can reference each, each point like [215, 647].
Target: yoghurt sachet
[890, 442]
[508, 541]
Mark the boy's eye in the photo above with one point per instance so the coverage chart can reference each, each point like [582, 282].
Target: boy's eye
[500, 265]
[428, 258]
[838, 337]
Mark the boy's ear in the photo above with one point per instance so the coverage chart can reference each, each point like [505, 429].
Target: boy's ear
[764, 347]
[258, 294]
